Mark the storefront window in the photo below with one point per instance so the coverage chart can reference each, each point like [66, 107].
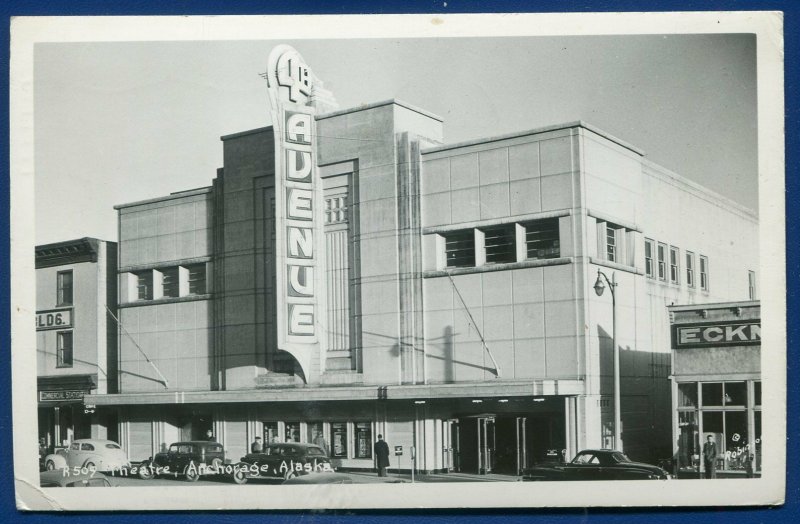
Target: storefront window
[757, 428]
[712, 394]
[736, 448]
[736, 394]
[271, 433]
[363, 440]
[292, 432]
[339, 438]
[687, 395]
[757, 393]
[316, 435]
[688, 440]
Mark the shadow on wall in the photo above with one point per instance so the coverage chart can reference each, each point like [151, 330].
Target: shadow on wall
[645, 398]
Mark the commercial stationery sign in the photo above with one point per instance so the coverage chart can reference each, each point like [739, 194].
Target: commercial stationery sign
[298, 231]
[713, 334]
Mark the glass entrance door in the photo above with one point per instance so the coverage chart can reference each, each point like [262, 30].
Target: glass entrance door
[522, 444]
[486, 444]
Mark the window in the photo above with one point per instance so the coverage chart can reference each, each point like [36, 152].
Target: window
[64, 349]
[87, 447]
[197, 279]
[64, 284]
[363, 440]
[271, 433]
[674, 265]
[460, 248]
[751, 284]
[336, 210]
[648, 258]
[340, 438]
[169, 282]
[500, 244]
[292, 432]
[690, 269]
[611, 244]
[144, 284]
[662, 264]
[541, 239]
[703, 273]
[687, 395]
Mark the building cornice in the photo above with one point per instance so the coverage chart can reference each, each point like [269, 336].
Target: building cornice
[68, 252]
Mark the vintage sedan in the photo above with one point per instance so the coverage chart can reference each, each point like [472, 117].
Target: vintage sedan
[64, 478]
[285, 460]
[190, 460]
[90, 455]
[595, 464]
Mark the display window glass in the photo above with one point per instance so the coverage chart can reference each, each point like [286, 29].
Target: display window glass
[339, 439]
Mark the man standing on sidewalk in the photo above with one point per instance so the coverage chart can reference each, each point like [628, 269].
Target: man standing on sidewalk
[382, 456]
[710, 457]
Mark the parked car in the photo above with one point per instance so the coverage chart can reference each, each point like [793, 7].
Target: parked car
[191, 460]
[286, 460]
[595, 464]
[89, 454]
[63, 478]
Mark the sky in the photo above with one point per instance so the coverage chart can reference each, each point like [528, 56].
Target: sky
[121, 122]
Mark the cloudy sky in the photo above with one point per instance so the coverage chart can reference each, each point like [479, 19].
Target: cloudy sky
[120, 122]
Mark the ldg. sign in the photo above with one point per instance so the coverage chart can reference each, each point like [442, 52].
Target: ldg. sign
[53, 319]
[745, 333]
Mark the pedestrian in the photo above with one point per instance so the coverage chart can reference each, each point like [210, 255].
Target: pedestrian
[710, 457]
[210, 436]
[256, 446]
[382, 456]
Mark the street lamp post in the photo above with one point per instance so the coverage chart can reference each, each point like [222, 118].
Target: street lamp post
[599, 287]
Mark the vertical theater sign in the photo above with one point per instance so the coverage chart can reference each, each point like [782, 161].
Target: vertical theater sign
[298, 213]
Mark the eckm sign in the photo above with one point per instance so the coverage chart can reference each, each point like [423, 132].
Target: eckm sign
[716, 334]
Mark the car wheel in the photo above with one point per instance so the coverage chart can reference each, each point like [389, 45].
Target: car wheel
[50, 466]
[192, 473]
[145, 473]
[290, 474]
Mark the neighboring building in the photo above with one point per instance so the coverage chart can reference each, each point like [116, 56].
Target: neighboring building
[716, 386]
[455, 300]
[76, 338]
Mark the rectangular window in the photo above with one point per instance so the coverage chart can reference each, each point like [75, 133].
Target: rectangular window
[316, 435]
[611, 244]
[292, 432]
[648, 258]
[751, 284]
[64, 349]
[757, 393]
[197, 279]
[662, 261]
[144, 284]
[460, 248]
[339, 439]
[690, 269]
[687, 395]
[541, 239]
[64, 285]
[500, 244]
[363, 440]
[674, 265]
[271, 433]
[169, 280]
[703, 273]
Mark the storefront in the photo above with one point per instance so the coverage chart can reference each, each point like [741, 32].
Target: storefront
[717, 387]
[62, 414]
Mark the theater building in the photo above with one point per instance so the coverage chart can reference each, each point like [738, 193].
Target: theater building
[76, 341]
[716, 387]
[349, 273]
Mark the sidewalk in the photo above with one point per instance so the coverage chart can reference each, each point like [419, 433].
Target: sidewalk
[372, 477]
